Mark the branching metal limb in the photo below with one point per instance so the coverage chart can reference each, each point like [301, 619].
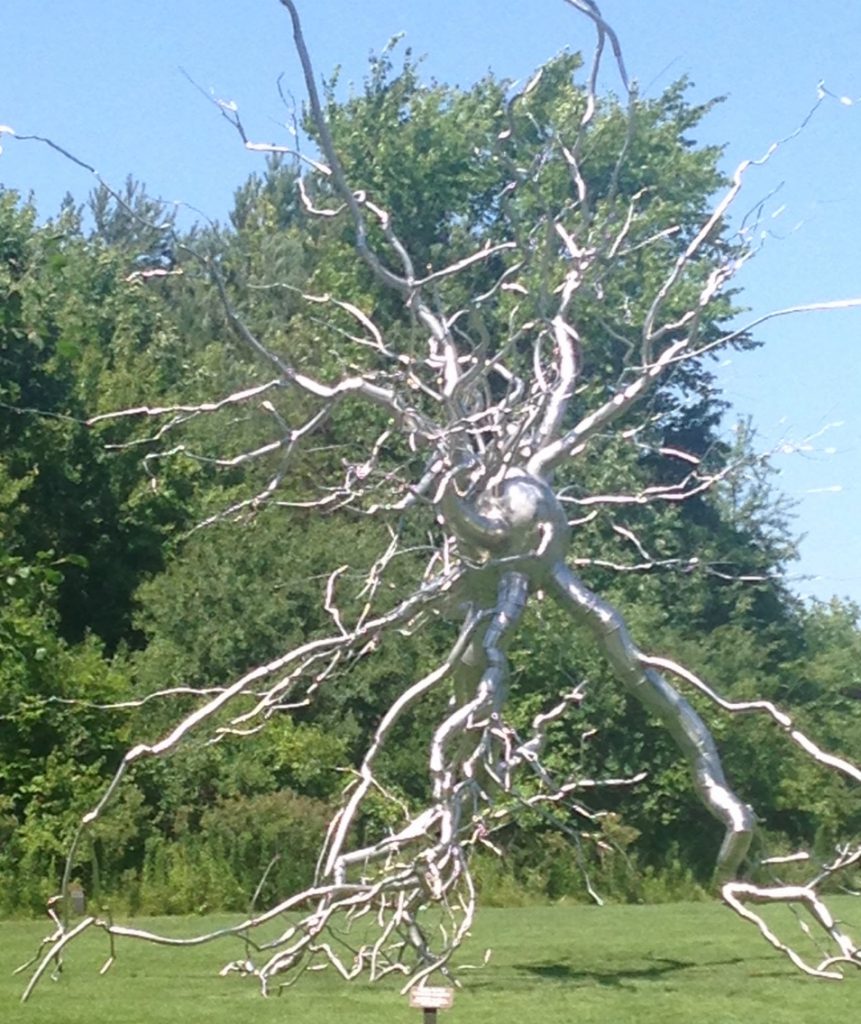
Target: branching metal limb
[341, 823]
[651, 334]
[362, 387]
[741, 332]
[783, 720]
[296, 948]
[685, 565]
[605, 31]
[308, 203]
[321, 124]
[575, 440]
[406, 283]
[374, 336]
[305, 655]
[222, 462]
[568, 348]
[484, 253]
[739, 894]
[572, 154]
[690, 486]
[444, 818]
[552, 794]
[139, 702]
[112, 192]
[655, 365]
[229, 110]
[55, 953]
[236, 398]
[57, 934]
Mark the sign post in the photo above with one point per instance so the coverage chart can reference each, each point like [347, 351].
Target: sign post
[431, 998]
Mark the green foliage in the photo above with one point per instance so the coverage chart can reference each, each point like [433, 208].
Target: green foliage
[74, 339]
[53, 752]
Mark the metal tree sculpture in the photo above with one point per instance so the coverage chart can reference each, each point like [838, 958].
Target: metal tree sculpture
[491, 436]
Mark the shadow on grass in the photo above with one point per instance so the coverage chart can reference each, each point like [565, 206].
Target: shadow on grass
[617, 978]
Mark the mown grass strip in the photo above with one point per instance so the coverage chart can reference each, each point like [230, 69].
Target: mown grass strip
[669, 964]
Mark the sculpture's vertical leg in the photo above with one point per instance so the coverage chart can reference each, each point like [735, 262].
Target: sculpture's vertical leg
[680, 719]
[481, 685]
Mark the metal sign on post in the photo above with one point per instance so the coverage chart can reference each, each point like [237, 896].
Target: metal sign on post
[431, 998]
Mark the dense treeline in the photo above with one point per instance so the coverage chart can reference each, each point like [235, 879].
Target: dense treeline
[109, 591]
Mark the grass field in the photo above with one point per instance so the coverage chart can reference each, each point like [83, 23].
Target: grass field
[670, 964]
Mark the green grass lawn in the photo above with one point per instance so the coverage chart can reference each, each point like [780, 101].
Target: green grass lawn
[670, 964]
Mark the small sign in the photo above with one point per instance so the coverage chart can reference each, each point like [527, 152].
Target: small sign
[430, 997]
[78, 901]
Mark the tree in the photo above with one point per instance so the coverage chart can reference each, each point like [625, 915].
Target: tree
[531, 336]
[73, 336]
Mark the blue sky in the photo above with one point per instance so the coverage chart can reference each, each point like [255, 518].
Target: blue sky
[102, 78]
